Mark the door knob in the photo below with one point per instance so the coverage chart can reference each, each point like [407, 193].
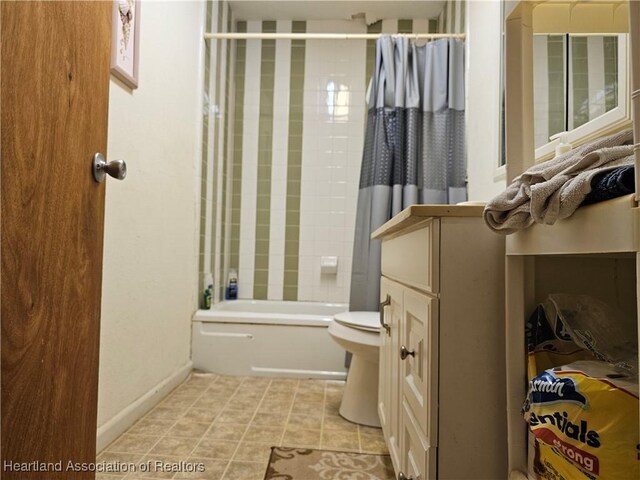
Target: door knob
[404, 353]
[115, 168]
[402, 476]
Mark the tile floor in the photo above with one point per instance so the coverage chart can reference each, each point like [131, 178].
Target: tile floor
[228, 424]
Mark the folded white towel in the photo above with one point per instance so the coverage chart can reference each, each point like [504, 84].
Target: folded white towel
[555, 189]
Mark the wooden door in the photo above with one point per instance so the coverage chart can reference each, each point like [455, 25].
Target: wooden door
[55, 81]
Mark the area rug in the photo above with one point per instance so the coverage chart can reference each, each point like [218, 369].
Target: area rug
[306, 464]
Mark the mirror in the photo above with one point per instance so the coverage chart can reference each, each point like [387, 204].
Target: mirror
[575, 81]
[580, 72]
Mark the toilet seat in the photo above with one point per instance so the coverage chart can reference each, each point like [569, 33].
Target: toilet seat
[366, 321]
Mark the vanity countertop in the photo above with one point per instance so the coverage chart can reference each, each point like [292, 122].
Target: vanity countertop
[415, 214]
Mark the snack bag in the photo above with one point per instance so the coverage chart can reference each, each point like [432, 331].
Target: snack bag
[584, 420]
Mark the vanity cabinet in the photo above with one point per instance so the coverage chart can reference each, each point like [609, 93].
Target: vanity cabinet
[441, 389]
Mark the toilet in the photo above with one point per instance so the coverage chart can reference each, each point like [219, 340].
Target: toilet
[359, 333]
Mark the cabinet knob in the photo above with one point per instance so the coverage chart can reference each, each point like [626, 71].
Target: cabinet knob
[386, 303]
[404, 353]
[402, 476]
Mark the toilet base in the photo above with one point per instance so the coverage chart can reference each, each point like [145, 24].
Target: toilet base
[360, 397]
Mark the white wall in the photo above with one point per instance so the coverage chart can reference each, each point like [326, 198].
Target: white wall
[150, 251]
[483, 99]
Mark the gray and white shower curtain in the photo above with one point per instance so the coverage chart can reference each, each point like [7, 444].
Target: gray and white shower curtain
[414, 148]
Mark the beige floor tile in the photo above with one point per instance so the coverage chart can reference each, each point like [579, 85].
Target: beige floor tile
[186, 428]
[234, 416]
[202, 415]
[148, 426]
[310, 422]
[226, 431]
[254, 452]
[284, 382]
[129, 443]
[268, 418]
[207, 402]
[373, 444]
[263, 434]
[245, 471]
[222, 389]
[174, 446]
[213, 469]
[279, 396]
[178, 400]
[165, 413]
[108, 476]
[312, 385]
[336, 422]
[256, 382]
[370, 430]
[337, 440]
[194, 388]
[213, 448]
[276, 405]
[244, 403]
[196, 379]
[332, 406]
[301, 438]
[117, 458]
[306, 408]
[309, 396]
[229, 380]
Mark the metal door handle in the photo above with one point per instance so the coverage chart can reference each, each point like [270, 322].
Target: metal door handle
[386, 303]
[404, 353]
[402, 476]
[115, 168]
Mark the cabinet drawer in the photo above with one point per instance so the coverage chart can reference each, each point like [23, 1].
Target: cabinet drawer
[419, 459]
[413, 258]
[419, 347]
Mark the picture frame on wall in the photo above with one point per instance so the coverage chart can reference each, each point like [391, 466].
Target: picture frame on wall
[126, 41]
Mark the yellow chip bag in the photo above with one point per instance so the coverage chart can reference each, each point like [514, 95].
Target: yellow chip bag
[584, 420]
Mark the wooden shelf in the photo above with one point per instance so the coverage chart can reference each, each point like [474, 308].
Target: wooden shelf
[606, 227]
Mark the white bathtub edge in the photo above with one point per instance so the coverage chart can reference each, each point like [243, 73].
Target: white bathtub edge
[118, 424]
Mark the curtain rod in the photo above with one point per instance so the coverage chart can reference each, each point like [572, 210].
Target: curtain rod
[324, 36]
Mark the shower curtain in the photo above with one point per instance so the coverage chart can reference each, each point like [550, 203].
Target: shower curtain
[414, 148]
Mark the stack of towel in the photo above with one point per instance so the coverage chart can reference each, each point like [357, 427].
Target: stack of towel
[553, 190]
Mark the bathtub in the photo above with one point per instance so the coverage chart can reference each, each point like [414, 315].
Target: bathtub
[268, 338]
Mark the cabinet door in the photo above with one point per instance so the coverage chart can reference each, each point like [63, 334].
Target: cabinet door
[418, 352]
[418, 458]
[389, 405]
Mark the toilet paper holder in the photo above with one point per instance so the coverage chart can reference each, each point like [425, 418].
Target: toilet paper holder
[328, 265]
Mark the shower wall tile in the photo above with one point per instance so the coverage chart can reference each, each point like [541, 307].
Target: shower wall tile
[334, 118]
[284, 212]
[216, 120]
[250, 163]
[282, 75]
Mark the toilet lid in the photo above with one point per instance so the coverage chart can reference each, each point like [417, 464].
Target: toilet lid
[369, 321]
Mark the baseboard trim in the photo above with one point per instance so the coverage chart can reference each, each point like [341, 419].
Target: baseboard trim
[117, 425]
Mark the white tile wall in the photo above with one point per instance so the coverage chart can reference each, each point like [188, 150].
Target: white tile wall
[249, 163]
[279, 163]
[333, 137]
